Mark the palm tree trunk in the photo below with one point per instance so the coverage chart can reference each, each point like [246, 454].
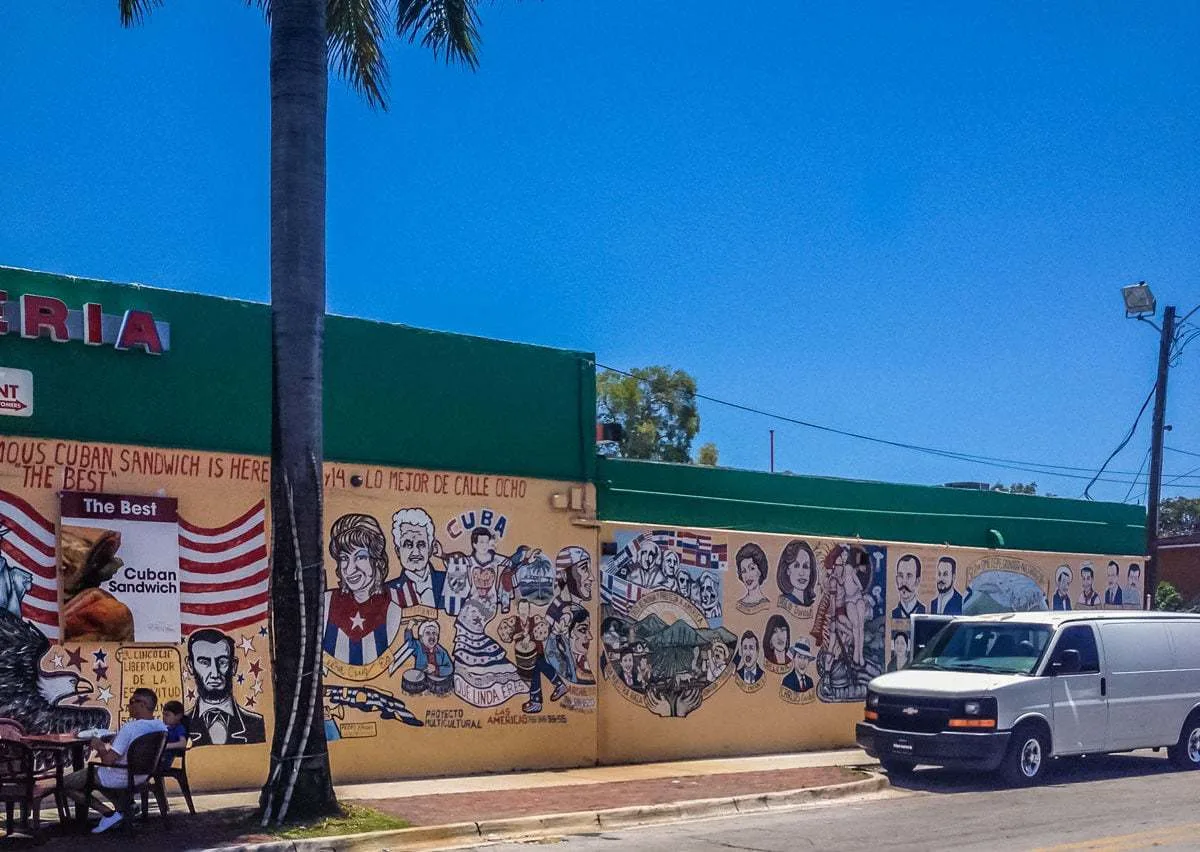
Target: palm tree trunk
[299, 785]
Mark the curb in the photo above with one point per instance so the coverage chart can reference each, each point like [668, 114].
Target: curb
[460, 834]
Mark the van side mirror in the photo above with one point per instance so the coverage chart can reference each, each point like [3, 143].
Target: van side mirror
[1066, 662]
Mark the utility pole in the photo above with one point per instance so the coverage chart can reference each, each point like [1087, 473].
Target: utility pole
[1156, 452]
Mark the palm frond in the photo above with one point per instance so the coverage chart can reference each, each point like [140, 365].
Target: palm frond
[265, 5]
[356, 46]
[450, 28]
[135, 11]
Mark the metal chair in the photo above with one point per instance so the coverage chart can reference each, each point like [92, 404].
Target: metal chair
[140, 766]
[20, 785]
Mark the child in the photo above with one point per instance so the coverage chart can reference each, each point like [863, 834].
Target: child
[177, 738]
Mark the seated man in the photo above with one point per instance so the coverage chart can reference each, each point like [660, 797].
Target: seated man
[113, 775]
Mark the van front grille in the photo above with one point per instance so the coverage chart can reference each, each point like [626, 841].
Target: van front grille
[909, 713]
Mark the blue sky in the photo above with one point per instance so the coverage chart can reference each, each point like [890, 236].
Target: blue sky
[909, 220]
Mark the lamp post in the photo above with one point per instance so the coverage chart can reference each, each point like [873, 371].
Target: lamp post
[1139, 302]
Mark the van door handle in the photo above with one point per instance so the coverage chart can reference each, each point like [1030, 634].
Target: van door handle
[1103, 687]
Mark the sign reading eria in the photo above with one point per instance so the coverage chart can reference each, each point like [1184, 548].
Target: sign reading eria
[36, 316]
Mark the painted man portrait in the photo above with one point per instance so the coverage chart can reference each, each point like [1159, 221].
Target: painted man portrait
[215, 718]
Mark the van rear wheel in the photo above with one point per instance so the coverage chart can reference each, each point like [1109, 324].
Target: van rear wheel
[1185, 754]
[1028, 754]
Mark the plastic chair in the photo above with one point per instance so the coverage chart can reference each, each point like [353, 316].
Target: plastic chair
[11, 729]
[141, 761]
[20, 785]
[179, 773]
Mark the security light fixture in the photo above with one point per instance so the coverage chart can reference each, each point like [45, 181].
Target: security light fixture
[1139, 301]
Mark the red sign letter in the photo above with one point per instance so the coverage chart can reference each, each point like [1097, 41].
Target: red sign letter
[43, 312]
[137, 329]
[93, 326]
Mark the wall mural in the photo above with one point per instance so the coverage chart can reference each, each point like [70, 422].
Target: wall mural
[454, 604]
[438, 615]
[801, 620]
[82, 684]
[460, 606]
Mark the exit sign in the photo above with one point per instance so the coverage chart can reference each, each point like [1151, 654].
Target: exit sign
[16, 392]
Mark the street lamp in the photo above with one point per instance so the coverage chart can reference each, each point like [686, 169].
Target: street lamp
[1139, 302]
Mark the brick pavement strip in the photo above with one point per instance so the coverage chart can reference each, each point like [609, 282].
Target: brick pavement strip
[509, 814]
[499, 804]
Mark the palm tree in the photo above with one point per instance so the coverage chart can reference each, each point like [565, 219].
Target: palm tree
[307, 38]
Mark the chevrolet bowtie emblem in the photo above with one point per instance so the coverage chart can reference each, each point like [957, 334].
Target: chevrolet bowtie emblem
[910, 711]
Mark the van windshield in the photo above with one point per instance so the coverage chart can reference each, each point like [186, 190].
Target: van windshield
[973, 646]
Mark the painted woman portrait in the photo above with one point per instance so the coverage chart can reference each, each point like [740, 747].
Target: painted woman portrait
[777, 638]
[797, 575]
[362, 617]
[751, 564]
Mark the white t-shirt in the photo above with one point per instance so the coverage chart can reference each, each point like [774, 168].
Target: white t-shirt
[117, 776]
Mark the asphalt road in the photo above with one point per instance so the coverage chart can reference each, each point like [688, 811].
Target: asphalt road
[1119, 802]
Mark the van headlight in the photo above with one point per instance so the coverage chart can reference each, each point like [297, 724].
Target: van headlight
[872, 700]
[974, 714]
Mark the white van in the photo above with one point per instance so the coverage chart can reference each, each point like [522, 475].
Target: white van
[1010, 691]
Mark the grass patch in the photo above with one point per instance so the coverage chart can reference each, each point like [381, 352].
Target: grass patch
[354, 819]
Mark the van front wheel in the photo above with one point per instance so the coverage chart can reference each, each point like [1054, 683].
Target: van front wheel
[1185, 754]
[896, 768]
[1028, 753]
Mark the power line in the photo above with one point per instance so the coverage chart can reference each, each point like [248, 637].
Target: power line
[992, 461]
[1134, 483]
[1182, 452]
[1171, 481]
[1128, 437]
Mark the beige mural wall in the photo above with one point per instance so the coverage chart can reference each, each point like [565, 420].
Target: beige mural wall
[483, 633]
[720, 643]
[418, 680]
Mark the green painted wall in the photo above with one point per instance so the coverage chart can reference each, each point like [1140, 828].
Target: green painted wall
[688, 495]
[394, 395]
[402, 396]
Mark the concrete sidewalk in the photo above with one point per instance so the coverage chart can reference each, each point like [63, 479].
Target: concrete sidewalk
[453, 812]
[565, 777]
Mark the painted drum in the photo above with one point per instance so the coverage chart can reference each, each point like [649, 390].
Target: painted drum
[413, 682]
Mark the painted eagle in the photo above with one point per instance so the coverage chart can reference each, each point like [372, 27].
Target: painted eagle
[36, 698]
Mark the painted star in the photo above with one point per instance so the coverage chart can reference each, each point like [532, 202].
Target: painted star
[258, 687]
[256, 668]
[262, 631]
[357, 621]
[250, 701]
[100, 655]
[101, 671]
[75, 658]
[191, 695]
[247, 644]
[105, 694]
[58, 660]
[241, 678]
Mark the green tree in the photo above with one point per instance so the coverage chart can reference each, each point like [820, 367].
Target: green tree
[1179, 516]
[655, 408]
[1167, 598]
[307, 37]
[708, 455]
